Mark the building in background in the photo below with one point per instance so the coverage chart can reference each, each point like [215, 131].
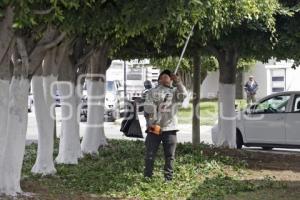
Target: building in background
[274, 76]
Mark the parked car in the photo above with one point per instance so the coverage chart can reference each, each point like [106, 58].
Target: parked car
[114, 102]
[273, 121]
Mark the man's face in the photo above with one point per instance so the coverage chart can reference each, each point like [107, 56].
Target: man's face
[165, 80]
[250, 78]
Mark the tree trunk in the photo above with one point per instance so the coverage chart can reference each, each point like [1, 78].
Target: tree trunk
[6, 43]
[69, 144]
[5, 77]
[94, 136]
[16, 137]
[43, 92]
[10, 172]
[14, 147]
[44, 163]
[4, 102]
[196, 99]
[6, 33]
[227, 117]
[4, 94]
[239, 84]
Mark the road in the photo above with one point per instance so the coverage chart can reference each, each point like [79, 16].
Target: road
[112, 129]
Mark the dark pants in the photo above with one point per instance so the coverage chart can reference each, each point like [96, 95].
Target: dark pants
[152, 143]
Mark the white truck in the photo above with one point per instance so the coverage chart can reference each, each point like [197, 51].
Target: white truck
[137, 71]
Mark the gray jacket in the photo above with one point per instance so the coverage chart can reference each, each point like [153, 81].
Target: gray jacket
[162, 105]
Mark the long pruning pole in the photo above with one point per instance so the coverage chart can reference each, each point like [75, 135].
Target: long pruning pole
[184, 48]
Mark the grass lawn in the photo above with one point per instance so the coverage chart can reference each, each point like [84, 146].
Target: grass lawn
[117, 173]
[208, 112]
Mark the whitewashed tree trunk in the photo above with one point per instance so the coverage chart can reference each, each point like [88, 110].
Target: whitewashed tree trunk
[227, 116]
[48, 92]
[6, 44]
[14, 149]
[94, 136]
[4, 100]
[16, 137]
[103, 140]
[42, 100]
[228, 58]
[69, 146]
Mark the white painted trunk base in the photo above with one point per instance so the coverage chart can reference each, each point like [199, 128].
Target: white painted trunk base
[16, 137]
[227, 116]
[44, 163]
[94, 136]
[4, 100]
[69, 146]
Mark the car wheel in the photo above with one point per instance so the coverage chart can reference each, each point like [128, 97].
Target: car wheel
[267, 148]
[239, 140]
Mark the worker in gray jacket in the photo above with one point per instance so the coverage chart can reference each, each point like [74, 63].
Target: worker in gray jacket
[161, 104]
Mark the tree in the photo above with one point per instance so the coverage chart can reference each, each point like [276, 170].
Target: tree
[244, 41]
[231, 31]
[287, 32]
[27, 56]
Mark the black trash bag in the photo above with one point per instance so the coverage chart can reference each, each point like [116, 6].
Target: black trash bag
[128, 116]
[125, 125]
[134, 129]
[131, 125]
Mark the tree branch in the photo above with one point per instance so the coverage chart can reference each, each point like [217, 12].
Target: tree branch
[61, 51]
[42, 12]
[6, 33]
[84, 58]
[55, 42]
[24, 56]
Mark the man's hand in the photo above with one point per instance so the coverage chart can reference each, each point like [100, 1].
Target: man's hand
[175, 78]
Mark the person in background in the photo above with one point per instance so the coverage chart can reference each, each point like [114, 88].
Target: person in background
[162, 105]
[251, 88]
[148, 87]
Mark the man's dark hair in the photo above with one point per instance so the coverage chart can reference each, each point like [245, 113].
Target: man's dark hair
[166, 71]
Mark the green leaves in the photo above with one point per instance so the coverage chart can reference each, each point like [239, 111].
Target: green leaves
[117, 172]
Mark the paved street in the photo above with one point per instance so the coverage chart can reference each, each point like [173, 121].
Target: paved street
[112, 129]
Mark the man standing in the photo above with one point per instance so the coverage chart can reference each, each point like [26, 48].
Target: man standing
[161, 106]
[148, 87]
[251, 87]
